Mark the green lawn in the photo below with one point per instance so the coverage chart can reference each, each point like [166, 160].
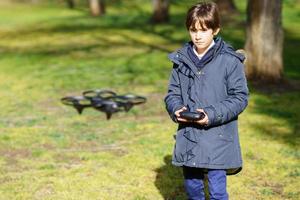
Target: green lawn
[48, 151]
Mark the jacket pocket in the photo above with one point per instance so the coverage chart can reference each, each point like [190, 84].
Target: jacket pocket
[222, 147]
[224, 133]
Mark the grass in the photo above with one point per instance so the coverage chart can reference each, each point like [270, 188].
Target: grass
[49, 152]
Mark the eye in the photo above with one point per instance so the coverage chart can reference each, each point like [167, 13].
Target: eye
[203, 30]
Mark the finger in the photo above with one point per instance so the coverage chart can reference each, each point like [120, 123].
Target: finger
[202, 121]
[182, 120]
[177, 113]
[180, 110]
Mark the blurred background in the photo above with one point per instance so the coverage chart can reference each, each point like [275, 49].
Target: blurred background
[53, 48]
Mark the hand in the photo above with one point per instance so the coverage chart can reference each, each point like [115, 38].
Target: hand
[203, 121]
[177, 114]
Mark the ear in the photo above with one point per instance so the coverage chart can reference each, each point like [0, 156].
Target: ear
[216, 31]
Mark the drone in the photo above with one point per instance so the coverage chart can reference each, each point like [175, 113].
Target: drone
[105, 101]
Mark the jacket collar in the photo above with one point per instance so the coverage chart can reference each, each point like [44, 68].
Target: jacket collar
[181, 55]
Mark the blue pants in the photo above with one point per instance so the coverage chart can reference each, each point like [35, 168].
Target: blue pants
[194, 185]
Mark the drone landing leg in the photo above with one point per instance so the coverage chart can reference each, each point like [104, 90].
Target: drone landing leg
[79, 109]
[108, 116]
[128, 107]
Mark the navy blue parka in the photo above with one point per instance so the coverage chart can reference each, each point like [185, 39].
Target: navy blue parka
[220, 88]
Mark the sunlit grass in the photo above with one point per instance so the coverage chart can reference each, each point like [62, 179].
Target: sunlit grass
[48, 151]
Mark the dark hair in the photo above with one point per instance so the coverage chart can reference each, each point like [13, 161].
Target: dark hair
[206, 13]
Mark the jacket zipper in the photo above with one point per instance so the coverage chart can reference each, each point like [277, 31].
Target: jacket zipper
[199, 72]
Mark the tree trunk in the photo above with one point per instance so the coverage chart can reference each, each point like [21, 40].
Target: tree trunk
[264, 40]
[97, 7]
[161, 11]
[71, 4]
[226, 6]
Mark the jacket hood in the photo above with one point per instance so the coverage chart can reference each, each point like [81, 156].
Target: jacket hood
[230, 50]
[220, 47]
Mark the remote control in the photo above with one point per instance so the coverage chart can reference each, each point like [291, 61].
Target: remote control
[193, 116]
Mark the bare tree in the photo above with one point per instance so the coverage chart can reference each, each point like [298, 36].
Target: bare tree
[70, 3]
[264, 40]
[97, 7]
[160, 11]
[226, 6]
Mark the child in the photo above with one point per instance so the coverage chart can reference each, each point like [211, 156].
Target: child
[207, 76]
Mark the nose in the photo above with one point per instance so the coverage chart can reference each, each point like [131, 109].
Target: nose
[198, 35]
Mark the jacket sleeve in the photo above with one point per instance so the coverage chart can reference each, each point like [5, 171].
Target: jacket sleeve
[173, 99]
[236, 101]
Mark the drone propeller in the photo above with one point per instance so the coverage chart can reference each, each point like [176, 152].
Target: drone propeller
[104, 94]
[78, 102]
[130, 98]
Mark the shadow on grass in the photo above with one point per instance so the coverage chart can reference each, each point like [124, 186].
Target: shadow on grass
[169, 181]
[291, 57]
[133, 19]
[280, 107]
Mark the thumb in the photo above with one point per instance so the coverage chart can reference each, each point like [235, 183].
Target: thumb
[200, 110]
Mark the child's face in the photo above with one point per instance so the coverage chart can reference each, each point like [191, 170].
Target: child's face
[202, 37]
